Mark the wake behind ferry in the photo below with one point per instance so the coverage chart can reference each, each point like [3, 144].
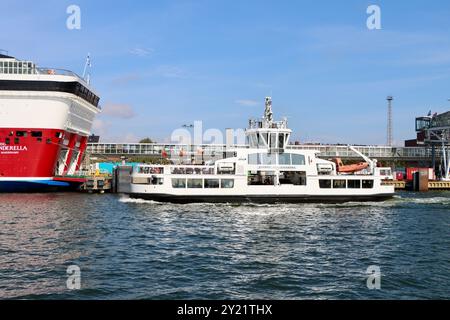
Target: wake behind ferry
[46, 117]
[267, 171]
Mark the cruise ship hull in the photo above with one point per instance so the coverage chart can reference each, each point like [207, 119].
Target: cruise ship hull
[45, 119]
[33, 185]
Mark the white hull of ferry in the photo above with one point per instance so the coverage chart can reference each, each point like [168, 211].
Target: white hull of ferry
[263, 195]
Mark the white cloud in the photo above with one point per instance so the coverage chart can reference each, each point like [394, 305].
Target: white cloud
[141, 52]
[100, 127]
[118, 110]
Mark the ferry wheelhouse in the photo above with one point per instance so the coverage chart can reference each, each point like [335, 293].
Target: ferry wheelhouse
[46, 117]
[267, 171]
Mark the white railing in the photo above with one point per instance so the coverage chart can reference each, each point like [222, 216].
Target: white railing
[155, 149]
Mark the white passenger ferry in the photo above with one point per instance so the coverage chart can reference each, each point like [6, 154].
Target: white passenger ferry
[267, 171]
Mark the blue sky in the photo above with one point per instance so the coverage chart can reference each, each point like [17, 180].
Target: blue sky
[160, 64]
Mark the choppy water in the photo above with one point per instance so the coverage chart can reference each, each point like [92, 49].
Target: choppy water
[146, 250]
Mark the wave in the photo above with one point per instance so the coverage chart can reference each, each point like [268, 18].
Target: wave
[432, 200]
[125, 199]
[397, 200]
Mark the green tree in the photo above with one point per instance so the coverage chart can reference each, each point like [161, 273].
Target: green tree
[146, 140]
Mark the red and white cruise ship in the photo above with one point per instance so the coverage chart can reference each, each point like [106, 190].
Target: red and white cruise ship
[46, 116]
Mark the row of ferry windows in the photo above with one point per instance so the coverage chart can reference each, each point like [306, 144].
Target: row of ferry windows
[274, 159]
[203, 183]
[16, 67]
[176, 170]
[344, 184]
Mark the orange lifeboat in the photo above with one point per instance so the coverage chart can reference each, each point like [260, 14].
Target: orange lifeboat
[350, 168]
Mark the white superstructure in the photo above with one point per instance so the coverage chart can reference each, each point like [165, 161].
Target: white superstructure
[265, 172]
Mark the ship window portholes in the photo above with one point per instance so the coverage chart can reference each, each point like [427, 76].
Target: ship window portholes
[7, 141]
[16, 140]
[298, 159]
[367, 184]
[36, 134]
[268, 159]
[354, 184]
[284, 159]
[325, 184]
[211, 183]
[179, 183]
[296, 178]
[195, 183]
[21, 133]
[227, 183]
[339, 184]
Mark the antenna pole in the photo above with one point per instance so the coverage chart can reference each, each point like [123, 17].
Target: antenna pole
[389, 122]
[86, 65]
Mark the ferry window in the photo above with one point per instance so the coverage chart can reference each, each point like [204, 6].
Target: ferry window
[253, 158]
[339, 184]
[211, 183]
[36, 134]
[273, 140]
[263, 139]
[298, 159]
[281, 141]
[179, 183]
[354, 184]
[367, 184]
[7, 141]
[284, 159]
[195, 183]
[189, 171]
[16, 140]
[325, 184]
[227, 183]
[296, 178]
[269, 159]
[261, 178]
[253, 141]
[21, 133]
[155, 181]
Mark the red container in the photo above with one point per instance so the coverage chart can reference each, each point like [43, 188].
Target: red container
[410, 172]
[399, 176]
